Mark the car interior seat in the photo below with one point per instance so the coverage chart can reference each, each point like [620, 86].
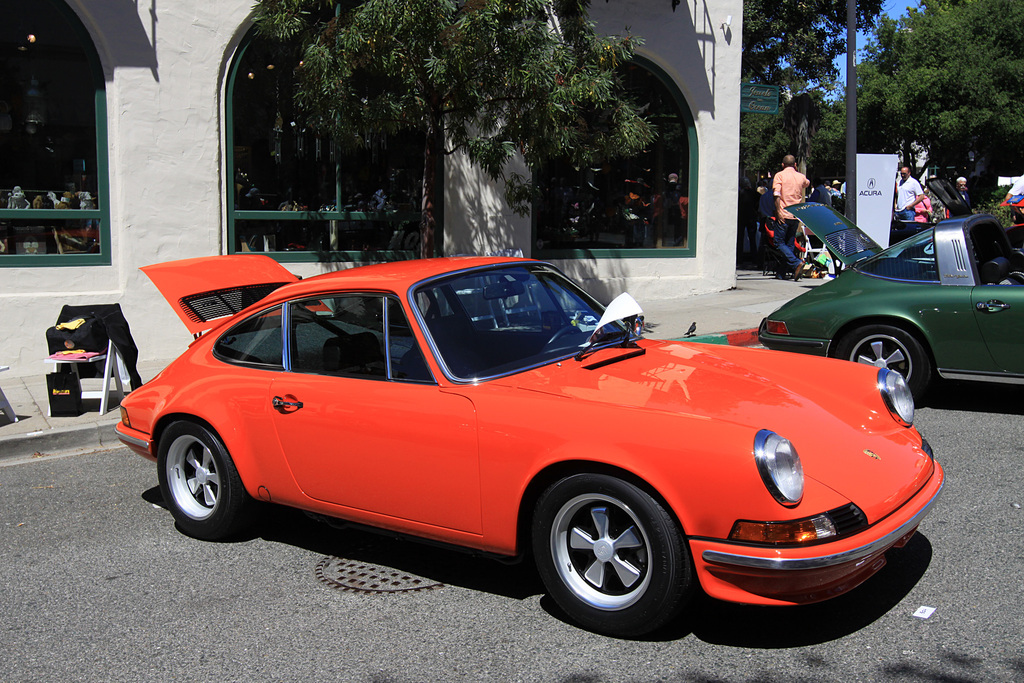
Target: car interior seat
[354, 354]
[995, 270]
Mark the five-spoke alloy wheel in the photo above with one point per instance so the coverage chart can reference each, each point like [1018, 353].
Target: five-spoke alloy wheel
[199, 482]
[886, 346]
[610, 555]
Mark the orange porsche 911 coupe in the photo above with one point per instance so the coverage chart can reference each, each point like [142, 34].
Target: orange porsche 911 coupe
[492, 404]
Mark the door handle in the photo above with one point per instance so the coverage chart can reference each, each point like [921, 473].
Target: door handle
[992, 306]
[281, 404]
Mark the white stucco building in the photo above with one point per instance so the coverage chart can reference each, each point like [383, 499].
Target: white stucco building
[156, 120]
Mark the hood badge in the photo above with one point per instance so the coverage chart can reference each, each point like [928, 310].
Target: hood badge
[871, 454]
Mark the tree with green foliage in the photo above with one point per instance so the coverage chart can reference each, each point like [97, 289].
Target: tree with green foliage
[763, 143]
[947, 81]
[793, 44]
[828, 157]
[487, 78]
[765, 140]
[789, 42]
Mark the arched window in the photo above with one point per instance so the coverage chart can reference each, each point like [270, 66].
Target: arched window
[53, 179]
[636, 206]
[297, 194]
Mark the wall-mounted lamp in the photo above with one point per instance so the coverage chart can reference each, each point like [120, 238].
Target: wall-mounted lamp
[727, 23]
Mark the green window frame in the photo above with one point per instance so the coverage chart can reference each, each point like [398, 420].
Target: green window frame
[687, 251]
[391, 233]
[62, 228]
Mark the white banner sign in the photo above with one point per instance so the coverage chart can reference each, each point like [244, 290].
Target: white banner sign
[876, 188]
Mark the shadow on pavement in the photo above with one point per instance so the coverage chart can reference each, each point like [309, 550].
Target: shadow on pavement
[710, 620]
[984, 397]
[724, 623]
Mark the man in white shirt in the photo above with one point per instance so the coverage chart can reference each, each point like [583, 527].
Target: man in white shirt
[908, 193]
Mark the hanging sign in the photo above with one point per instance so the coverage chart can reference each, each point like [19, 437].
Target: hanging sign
[760, 99]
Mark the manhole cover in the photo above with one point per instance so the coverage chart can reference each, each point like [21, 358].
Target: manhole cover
[350, 575]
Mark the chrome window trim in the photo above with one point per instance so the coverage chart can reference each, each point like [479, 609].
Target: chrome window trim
[903, 281]
[804, 563]
[286, 334]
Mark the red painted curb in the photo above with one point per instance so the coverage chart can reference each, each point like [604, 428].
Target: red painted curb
[742, 337]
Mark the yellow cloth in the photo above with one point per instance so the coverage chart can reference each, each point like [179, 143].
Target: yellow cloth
[71, 324]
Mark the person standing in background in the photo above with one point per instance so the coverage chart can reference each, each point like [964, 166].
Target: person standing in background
[788, 187]
[909, 193]
[961, 189]
[820, 194]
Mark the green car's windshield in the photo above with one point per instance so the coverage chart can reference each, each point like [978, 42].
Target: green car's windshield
[911, 260]
[502, 320]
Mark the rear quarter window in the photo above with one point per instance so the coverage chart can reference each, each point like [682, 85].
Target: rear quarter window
[254, 341]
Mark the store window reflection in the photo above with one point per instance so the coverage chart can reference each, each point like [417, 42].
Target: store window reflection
[52, 179]
[641, 202]
[294, 190]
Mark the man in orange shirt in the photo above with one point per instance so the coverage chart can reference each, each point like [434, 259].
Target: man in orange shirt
[788, 187]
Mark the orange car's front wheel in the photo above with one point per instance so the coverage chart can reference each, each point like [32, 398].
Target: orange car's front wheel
[610, 555]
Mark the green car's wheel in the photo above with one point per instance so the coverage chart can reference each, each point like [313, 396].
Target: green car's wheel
[887, 346]
[200, 484]
[610, 555]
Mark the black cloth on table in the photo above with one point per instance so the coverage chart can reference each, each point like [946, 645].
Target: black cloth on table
[117, 329]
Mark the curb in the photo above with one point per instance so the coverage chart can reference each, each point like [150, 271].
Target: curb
[83, 439]
[735, 338]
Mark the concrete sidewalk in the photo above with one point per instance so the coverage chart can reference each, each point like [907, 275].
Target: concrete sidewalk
[729, 317]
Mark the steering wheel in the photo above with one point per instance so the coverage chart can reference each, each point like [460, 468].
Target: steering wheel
[563, 332]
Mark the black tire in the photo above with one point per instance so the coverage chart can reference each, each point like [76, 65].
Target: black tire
[200, 484]
[887, 346]
[625, 579]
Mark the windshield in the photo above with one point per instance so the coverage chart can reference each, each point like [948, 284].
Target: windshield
[912, 259]
[492, 322]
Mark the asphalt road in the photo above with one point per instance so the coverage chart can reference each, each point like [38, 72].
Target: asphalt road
[98, 585]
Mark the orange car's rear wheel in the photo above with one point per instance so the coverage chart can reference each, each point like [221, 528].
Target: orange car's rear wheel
[610, 555]
[200, 484]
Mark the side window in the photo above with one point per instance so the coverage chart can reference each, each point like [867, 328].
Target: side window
[256, 340]
[342, 335]
[404, 355]
[912, 260]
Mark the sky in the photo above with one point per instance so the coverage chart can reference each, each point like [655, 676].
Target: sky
[891, 8]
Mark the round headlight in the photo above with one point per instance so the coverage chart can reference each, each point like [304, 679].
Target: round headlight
[779, 466]
[897, 396]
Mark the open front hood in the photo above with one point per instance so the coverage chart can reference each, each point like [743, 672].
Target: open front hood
[844, 239]
[211, 287]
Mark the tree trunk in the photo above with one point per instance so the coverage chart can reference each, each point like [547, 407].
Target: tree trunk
[428, 221]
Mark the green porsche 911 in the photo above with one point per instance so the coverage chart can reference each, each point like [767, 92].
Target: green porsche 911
[947, 302]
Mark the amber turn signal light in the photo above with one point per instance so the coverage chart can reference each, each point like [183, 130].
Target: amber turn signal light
[797, 532]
